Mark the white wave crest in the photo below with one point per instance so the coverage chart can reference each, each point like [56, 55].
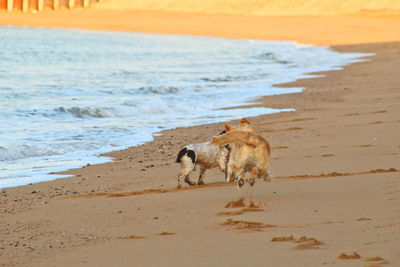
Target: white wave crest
[160, 90]
[88, 112]
[18, 151]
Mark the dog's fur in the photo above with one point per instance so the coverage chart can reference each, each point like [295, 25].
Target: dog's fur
[250, 152]
[205, 155]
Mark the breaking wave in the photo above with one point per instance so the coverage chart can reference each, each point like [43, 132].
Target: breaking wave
[273, 57]
[88, 112]
[160, 90]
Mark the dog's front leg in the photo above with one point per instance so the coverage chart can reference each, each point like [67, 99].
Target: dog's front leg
[230, 173]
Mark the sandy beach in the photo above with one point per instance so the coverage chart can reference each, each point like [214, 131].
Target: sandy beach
[316, 30]
[334, 199]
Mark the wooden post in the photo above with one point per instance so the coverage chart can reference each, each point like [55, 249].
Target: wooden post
[85, 3]
[55, 4]
[25, 5]
[40, 5]
[71, 3]
[10, 5]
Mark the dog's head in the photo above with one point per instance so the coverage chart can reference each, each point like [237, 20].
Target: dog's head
[243, 126]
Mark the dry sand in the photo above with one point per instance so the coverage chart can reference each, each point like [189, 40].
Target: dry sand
[335, 199]
[260, 7]
[318, 30]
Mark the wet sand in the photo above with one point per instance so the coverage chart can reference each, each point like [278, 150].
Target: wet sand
[334, 199]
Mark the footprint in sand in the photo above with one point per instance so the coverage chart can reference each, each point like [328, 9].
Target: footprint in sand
[351, 114]
[364, 219]
[280, 147]
[132, 237]
[166, 233]
[376, 261]
[230, 213]
[353, 256]
[240, 204]
[302, 243]
[236, 203]
[364, 146]
[327, 155]
[283, 239]
[336, 174]
[307, 242]
[379, 111]
[247, 226]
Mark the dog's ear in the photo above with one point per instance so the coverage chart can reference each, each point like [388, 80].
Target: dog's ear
[244, 121]
[227, 127]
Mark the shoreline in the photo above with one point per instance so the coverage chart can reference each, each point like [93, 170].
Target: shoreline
[343, 130]
[58, 174]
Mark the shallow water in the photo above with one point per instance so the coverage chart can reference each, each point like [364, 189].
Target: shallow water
[68, 95]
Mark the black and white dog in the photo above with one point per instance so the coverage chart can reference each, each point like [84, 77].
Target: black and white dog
[205, 155]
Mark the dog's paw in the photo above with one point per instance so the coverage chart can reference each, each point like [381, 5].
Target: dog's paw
[240, 182]
[252, 182]
[189, 182]
[268, 177]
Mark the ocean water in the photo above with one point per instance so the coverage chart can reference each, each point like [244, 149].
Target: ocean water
[68, 95]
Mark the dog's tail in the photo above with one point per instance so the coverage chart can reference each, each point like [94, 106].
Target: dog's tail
[184, 151]
[181, 154]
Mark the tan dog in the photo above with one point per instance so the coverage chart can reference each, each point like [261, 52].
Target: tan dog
[249, 153]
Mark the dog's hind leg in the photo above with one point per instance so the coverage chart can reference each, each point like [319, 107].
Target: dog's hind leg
[241, 176]
[253, 175]
[187, 167]
[265, 175]
[180, 176]
[201, 176]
